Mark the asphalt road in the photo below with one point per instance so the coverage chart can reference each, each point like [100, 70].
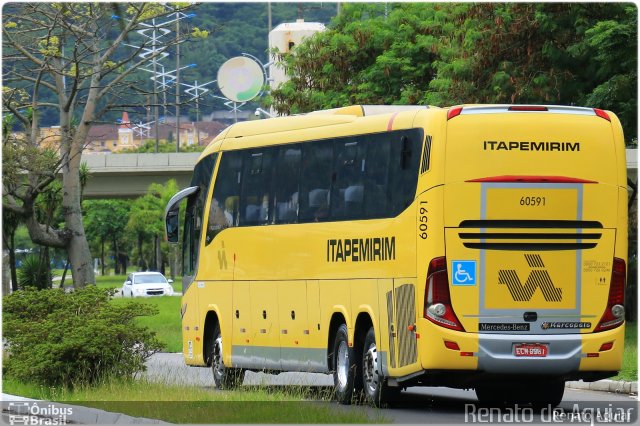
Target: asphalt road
[424, 405]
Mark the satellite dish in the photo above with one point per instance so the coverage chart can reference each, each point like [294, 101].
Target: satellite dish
[240, 79]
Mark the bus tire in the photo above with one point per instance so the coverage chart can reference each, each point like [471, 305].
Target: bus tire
[344, 366]
[375, 388]
[224, 377]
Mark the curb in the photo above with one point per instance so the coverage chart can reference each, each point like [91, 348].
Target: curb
[79, 414]
[615, 386]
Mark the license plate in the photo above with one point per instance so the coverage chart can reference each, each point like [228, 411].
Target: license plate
[531, 350]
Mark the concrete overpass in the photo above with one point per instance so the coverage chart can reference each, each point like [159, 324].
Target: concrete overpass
[129, 175]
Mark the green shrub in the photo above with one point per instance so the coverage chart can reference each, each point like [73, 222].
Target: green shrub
[33, 272]
[55, 338]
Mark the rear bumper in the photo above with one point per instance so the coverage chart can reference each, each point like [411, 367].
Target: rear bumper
[568, 353]
[495, 354]
[570, 356]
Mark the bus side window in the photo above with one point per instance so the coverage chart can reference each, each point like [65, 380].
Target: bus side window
[287, 182]
[349, 171]
[404, 159]
[255, 201]
[224, 206]
[317, 170]
[376, 200]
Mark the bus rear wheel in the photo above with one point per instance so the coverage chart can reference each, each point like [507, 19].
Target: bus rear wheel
[376, 390]
[224, 377]
[344, 367]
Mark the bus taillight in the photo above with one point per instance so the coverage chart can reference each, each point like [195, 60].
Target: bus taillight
[437, 300]
[602, 114]
[614, 313]
[454, 112]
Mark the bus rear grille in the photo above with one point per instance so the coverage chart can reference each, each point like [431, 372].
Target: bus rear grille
[538, 241]
[528, 236]
[543, 224]
[530, 246]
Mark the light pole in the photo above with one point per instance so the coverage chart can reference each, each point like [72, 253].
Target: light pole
[177, 84]
[196, 90]
[155, 31]
[165, 79]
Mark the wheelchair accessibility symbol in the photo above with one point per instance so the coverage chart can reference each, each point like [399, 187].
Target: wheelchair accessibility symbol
[464, 272]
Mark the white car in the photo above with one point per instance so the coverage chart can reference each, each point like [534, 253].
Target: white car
[143, 284]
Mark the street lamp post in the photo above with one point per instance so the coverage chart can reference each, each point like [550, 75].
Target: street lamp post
[157, 31]
[196, 91]
[177, 83]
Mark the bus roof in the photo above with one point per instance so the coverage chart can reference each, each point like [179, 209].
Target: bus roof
[311, 120]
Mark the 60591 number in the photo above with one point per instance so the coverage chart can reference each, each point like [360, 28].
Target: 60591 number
[423, 219]
[533, 201]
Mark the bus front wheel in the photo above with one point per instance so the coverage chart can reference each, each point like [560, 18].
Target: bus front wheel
[344, 366]
[376, 390]
[224, 377]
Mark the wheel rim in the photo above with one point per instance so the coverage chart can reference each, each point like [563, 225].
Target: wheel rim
[370, 370]
[342, 365]
[216, 360]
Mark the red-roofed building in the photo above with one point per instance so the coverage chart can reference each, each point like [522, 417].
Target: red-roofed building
[126, 135]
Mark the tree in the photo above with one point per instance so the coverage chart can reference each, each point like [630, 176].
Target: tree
[371, 55]
[64, 57]
[105, 220]
[460, 53]
[558, 53]
[150, 146]
[612, 45]
[146, 221]
[10, 222]
[552, 53]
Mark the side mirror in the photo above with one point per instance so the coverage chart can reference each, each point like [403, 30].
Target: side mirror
[171, 213]
[172, 226]
[170, 281]
[127, 282]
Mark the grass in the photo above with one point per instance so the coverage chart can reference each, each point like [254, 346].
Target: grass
[167, 324]
[190, 404]
[629, 371]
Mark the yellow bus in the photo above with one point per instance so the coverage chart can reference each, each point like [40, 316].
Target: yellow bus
[477, 246]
